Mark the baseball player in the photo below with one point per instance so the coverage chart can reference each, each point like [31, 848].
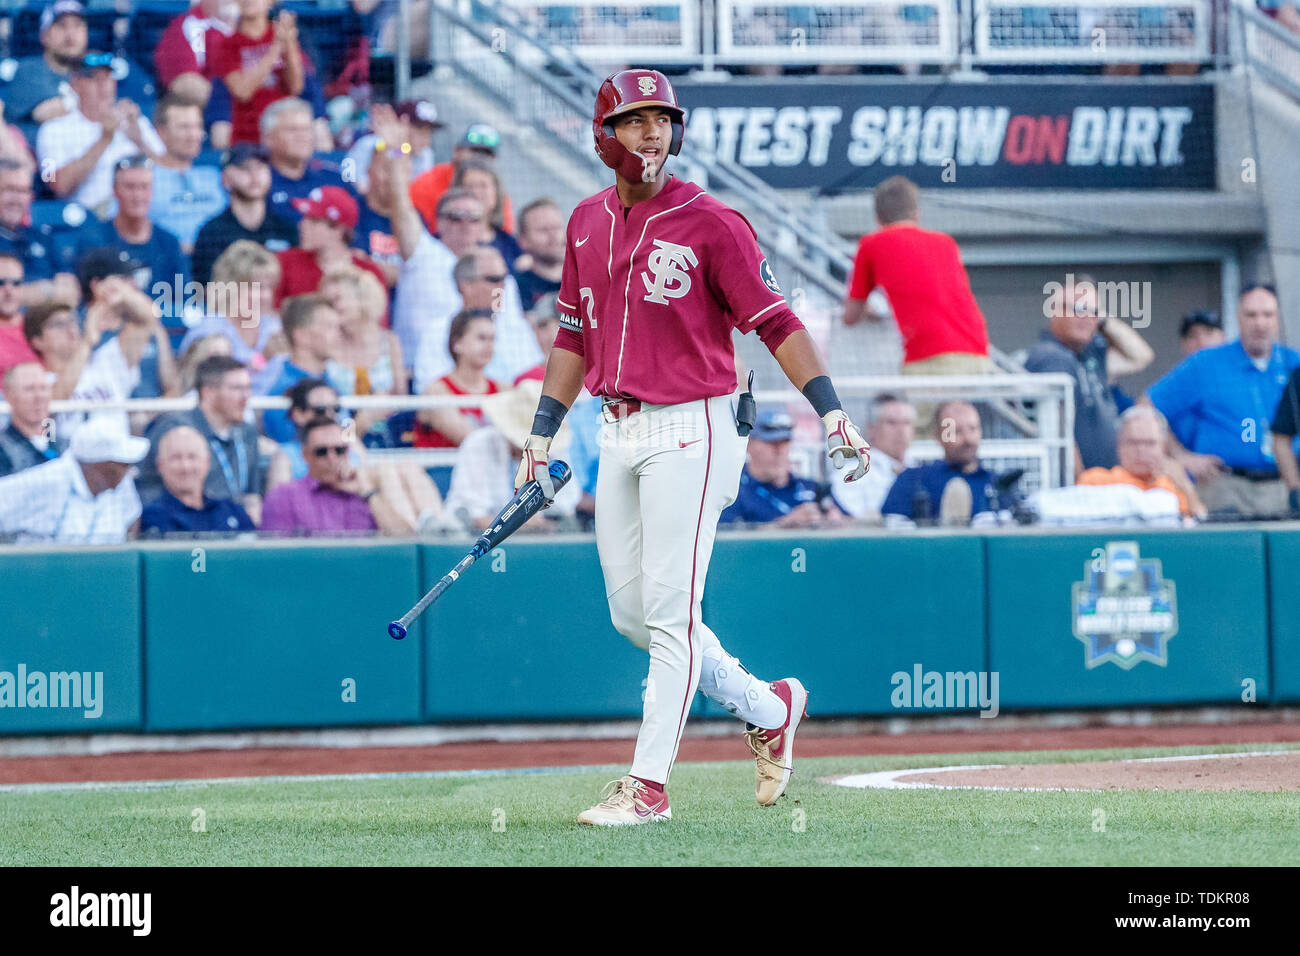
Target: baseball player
[657, 274]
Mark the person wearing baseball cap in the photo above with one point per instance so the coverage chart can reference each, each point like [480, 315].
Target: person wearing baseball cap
[85, 145]
[85, 496]
[481, 141]
[37, 92]
[770, 492]
[325, 233]
[246, 176]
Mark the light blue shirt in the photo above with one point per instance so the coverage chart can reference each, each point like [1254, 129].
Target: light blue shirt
[1218, 402]
[183, 200]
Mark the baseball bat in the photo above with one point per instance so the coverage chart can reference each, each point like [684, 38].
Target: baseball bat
[526, 503]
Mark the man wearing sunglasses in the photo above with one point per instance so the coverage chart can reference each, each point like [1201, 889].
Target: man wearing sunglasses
[1094, 350]
[335, 497]
[85, 145]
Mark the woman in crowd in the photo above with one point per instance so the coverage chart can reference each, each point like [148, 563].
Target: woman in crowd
[370, 356]
[470, 341]
[480, 178]
[241, 304]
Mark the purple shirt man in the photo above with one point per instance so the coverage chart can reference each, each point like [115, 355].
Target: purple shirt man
[335, 496]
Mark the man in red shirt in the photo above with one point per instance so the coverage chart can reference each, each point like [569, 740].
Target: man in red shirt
[181, 56]
[657, 274]
[921, 271]
[329, 215]
[261, 62]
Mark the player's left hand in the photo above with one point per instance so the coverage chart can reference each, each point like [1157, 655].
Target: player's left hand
[844, 443]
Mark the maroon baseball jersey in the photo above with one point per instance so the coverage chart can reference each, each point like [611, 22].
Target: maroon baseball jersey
[649, 298]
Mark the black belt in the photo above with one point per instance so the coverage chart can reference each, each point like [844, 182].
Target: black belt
[1253, 475]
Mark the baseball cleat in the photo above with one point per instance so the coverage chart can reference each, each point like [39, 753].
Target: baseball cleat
[626, 802]
[774, 749]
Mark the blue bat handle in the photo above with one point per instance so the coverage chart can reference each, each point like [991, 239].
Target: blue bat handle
[396, 630]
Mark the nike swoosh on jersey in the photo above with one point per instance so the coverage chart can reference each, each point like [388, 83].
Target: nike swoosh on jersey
[686, 444]
[578, 244]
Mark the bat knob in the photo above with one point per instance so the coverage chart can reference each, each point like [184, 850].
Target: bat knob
[397, 630]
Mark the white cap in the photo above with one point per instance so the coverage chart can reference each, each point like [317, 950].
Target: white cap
[97, 440]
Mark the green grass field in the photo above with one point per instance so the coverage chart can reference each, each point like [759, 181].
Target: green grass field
[450, 820]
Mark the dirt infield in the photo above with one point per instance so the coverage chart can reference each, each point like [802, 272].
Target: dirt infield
[815, 741]
[1270, 772]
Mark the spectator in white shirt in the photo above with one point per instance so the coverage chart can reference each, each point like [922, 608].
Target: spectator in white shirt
[483, 283]
[428, 296]
[87, 496]
[483, 478]
[891, 426]
[85, 144]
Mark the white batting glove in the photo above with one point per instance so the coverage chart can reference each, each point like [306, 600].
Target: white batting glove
[536, 466]
[844, 443]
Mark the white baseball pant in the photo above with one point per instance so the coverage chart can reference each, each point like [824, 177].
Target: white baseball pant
[666, 473]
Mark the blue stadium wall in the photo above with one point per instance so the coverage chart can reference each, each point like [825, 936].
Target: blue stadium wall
[228, 636]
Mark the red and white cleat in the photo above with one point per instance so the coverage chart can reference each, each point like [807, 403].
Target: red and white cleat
[774, 749]
[627, 802]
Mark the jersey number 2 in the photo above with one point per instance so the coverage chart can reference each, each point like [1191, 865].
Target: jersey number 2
[589, 302]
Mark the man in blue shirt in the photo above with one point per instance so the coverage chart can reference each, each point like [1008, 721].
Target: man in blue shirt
[955, 489]
[183, 463]
[770, 492]
[162, 270]
[185, 196]
[312, 327]
[1220, 403]
[290, 141]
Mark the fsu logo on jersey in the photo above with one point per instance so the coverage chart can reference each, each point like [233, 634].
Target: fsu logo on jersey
[669, 264]
[769, 280]
[647, 85]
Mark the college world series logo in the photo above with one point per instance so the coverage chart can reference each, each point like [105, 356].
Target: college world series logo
[1124, 610]
[668, 263]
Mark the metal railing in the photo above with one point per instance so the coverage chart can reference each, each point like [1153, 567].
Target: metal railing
[1047, 455]
[1105, 31]
[887, 32]
[1266, 46]
[867, 31]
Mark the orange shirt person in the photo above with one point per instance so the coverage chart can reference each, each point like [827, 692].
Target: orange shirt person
[1143, 463]
[427, 188]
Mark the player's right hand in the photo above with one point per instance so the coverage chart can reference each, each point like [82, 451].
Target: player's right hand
[535, 465]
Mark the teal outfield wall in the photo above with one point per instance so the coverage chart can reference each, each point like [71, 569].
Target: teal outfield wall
[227, 636]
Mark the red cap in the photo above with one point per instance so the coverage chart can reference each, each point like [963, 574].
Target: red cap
[331, 203]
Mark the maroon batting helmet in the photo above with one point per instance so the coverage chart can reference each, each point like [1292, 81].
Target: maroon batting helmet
[621, 93]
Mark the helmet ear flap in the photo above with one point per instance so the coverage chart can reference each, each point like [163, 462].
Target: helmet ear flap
[679, 133]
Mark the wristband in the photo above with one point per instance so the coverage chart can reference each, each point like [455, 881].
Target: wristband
[550, 413]
[821, 394]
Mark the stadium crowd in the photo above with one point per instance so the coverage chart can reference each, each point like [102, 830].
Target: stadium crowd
[193, 228]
